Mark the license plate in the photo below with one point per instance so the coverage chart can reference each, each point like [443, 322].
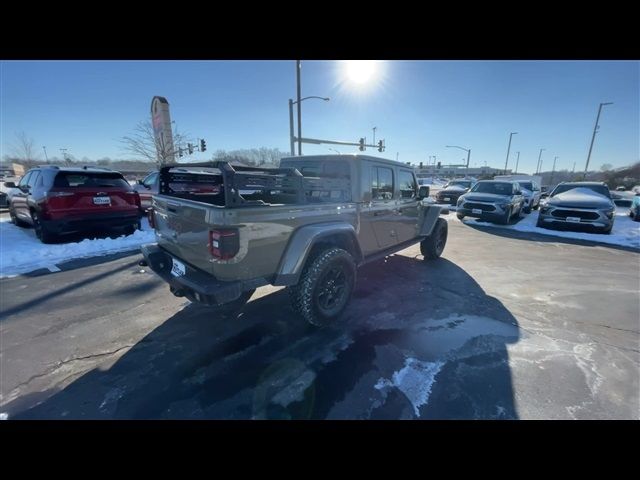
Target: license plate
[573, 219]
[102, 200]
[447, 199]
[177, 269]
[477, 211]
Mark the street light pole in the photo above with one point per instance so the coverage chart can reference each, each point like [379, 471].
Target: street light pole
[45, 153]
[374, 135]
[291, 142]
[299, 102]
[553, 170]
[468, 150]
[517, 162]
[595, 128]
[508, 150]
[538, 165]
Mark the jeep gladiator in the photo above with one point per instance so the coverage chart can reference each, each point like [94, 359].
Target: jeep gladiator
[224, 230]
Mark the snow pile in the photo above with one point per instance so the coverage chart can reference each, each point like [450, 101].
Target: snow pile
[414, 380]
[625, 231]
[22, 252]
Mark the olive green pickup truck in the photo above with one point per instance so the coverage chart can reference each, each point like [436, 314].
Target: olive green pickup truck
[224, 230]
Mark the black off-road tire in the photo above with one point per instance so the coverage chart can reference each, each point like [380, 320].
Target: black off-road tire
[433, 245]
[42, 233]
[325, 286]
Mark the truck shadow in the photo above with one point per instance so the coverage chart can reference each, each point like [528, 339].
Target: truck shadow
[419, 340]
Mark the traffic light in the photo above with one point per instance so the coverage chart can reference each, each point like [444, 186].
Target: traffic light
[180, 152]
[380, 146]
[439, 164]
[190, 148]
[203, 146]
[420, 165]
[362, 144]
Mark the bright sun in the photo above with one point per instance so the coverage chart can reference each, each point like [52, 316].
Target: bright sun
[360, 71]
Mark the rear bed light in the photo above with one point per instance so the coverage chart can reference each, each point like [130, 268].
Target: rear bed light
[224, 244]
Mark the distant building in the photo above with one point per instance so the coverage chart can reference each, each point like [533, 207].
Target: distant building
[456, 171]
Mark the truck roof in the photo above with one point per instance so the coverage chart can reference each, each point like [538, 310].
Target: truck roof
[348, 157]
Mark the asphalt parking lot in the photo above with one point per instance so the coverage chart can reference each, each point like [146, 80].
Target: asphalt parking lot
[505, 325]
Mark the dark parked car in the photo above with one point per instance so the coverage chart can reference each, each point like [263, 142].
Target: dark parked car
[496, 201]
[146, 188]
[64, 200]
[452, 191]
[634, 210]
[622, 199]
[578, 206]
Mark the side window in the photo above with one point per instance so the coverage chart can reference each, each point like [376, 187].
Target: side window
[24, 181]
[381, 183]
[407, 184]
[34, 178]
[151, 179]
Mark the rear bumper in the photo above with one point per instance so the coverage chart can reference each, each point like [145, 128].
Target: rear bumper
[195, 284]
[77, 224]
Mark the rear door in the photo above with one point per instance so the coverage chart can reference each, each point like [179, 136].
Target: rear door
[381, 213]
[19, 199]
[406, 222]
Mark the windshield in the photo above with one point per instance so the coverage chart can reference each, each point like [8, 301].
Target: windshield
[527, 185]
[461, 184]
[497, 188]
[601, 189]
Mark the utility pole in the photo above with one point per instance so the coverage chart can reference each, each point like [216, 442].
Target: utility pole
[539, 165]
[397, 153]
[508, 150]
[517, 162]
[292, 143]
[64, 154]
[298, 67]
[595, 128]
[553, 170]
[45, 153]
[374, 135]
[574, 168]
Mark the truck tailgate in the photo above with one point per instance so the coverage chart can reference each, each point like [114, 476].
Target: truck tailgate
[182, 228]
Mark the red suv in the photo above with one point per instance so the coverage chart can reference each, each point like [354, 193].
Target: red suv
[59, 200]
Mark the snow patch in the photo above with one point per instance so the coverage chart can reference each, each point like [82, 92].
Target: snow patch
[415, 380]
[21, 252]
[625, 231]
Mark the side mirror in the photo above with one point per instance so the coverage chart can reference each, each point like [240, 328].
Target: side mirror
[139, 182]
[423, 192]
[10, 184]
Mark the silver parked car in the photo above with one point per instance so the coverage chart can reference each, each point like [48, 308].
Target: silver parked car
[578, 206]
[496, 201]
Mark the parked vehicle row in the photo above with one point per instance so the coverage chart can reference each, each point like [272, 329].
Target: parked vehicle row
[60, 200]
[571, 205]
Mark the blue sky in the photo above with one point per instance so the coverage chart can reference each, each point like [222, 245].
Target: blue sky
[418, 107]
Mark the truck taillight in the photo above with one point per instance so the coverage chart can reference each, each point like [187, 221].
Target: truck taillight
[151, 218]
[224, 243]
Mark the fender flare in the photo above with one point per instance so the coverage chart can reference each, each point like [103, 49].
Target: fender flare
[302, 242]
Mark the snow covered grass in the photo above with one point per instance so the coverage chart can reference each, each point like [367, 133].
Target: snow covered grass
[21, 252]
[625, 231]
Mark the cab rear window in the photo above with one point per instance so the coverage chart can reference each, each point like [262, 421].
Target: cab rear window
[89, 180]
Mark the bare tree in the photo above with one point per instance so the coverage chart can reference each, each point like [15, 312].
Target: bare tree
[25, 148]
[144, 144]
